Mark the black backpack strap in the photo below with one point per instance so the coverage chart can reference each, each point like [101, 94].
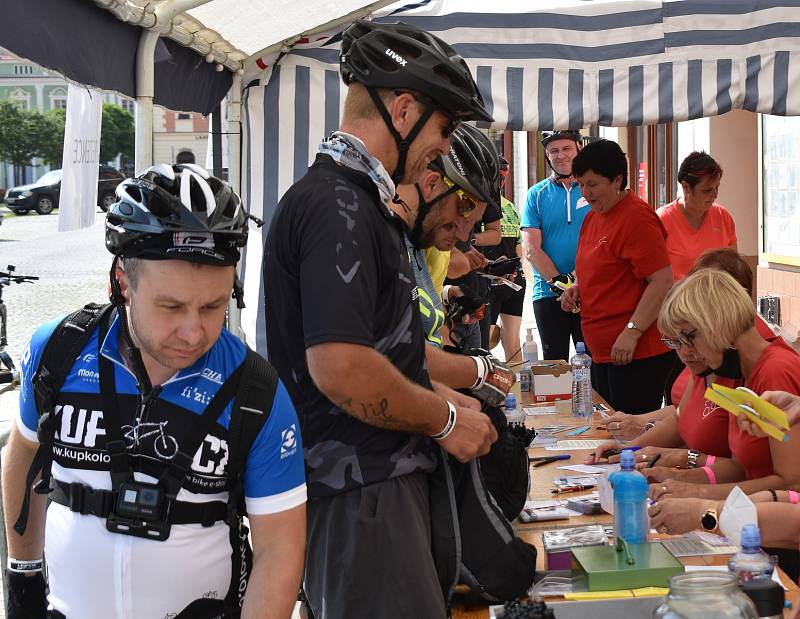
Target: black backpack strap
[174, 475]
[250, 412]
[59, 354]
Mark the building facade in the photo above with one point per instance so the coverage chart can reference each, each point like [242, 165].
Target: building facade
[177, 136]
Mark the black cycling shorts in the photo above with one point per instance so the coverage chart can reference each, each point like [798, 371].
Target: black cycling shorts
[505, 300]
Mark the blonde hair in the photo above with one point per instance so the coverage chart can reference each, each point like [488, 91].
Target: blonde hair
[712, 302]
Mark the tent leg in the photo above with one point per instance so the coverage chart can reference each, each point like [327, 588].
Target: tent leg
[145, 88]
[234, 108]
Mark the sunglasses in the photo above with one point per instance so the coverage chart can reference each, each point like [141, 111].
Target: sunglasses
[452, 123]
[466, 204]
[683, 339]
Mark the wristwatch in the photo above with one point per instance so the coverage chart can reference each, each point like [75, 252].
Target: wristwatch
[709, 520]
[632, 325]
[691, 461]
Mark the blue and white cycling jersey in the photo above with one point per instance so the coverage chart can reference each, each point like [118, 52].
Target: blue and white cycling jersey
[95, 573]
[559, 213]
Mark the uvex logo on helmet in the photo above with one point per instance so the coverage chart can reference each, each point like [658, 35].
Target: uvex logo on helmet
[396, 57]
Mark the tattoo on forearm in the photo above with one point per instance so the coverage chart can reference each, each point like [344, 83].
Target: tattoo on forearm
[377, 414]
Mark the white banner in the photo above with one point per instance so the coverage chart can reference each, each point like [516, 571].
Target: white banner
[78, 201]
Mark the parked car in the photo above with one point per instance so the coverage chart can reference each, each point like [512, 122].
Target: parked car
[43, 195]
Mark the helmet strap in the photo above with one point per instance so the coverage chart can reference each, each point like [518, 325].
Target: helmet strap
[134, 356]
[238, 292]
[403, 144]
[558, 176]
[415, 235]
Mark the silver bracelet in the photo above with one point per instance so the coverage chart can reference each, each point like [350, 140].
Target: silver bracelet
[30, 566]
[450, 425]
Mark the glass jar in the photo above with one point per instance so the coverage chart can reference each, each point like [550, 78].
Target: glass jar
[705, 595]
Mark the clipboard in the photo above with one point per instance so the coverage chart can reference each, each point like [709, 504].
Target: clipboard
[742, 401]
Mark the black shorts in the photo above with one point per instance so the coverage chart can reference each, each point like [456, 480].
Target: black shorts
[505, 300]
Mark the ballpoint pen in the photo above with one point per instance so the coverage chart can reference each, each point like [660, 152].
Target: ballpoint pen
[550, 458]
[618, 450]
[572, 489]
[653, 461]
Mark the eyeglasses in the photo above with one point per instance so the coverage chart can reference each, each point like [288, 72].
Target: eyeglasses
[452, 123]
[467, 204]
[683, 339]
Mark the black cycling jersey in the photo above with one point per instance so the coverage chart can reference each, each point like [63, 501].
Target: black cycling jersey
[336, 270]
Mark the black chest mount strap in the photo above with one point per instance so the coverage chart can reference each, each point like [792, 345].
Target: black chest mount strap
[63, 347]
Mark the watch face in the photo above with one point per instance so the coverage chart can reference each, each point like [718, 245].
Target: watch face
[709, 521]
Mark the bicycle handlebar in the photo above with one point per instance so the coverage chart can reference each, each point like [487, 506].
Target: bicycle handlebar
[9, 277]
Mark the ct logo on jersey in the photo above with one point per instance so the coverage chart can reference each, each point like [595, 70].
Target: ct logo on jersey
[288, 441]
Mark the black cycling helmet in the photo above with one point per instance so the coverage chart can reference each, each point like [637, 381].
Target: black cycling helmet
[177, 212]
[406, 57]
[471, 165]
[403, 57]
[569, 134]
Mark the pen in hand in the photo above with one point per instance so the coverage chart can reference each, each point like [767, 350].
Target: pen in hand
[653, 461]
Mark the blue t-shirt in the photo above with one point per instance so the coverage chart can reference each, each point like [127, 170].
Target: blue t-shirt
[558, 212]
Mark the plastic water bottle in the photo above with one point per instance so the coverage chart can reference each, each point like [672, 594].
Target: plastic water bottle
[530, 351]
[630, 501]
[581, 382]
[751, 563]
[513, 414]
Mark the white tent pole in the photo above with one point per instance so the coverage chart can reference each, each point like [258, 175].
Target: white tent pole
[145, 74]
[145, 90]
[234, 107]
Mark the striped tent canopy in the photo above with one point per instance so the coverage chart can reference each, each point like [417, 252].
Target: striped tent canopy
[539, 65]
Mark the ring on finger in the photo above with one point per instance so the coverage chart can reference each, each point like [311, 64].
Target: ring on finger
[644, 457]
[662, 529]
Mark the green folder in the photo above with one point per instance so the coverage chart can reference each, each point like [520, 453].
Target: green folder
[625, 566]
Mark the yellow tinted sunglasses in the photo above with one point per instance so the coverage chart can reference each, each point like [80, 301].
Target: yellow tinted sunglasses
[467, 204]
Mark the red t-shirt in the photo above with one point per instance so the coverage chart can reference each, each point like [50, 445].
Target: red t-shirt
[617, 250]
[685, 244]
[702, 424]
[778, 368]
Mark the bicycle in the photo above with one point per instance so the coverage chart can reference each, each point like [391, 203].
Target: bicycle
[9, 376]
[164, 445]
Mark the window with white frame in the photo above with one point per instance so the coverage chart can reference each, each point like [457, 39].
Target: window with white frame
[781, 188]
[58, 98]
[21, 97]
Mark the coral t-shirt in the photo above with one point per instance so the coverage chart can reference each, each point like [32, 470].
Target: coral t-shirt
[778, 368]
[617, 251]
[685, 244]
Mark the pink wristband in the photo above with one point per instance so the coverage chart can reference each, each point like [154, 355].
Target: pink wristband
[793, 497]
[712, 479]
[710, 460]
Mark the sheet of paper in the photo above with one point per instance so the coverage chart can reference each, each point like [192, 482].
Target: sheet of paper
[539, 410]
[574, 445]
[584, 468]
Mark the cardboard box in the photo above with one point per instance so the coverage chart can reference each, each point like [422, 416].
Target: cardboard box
[551, 380]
